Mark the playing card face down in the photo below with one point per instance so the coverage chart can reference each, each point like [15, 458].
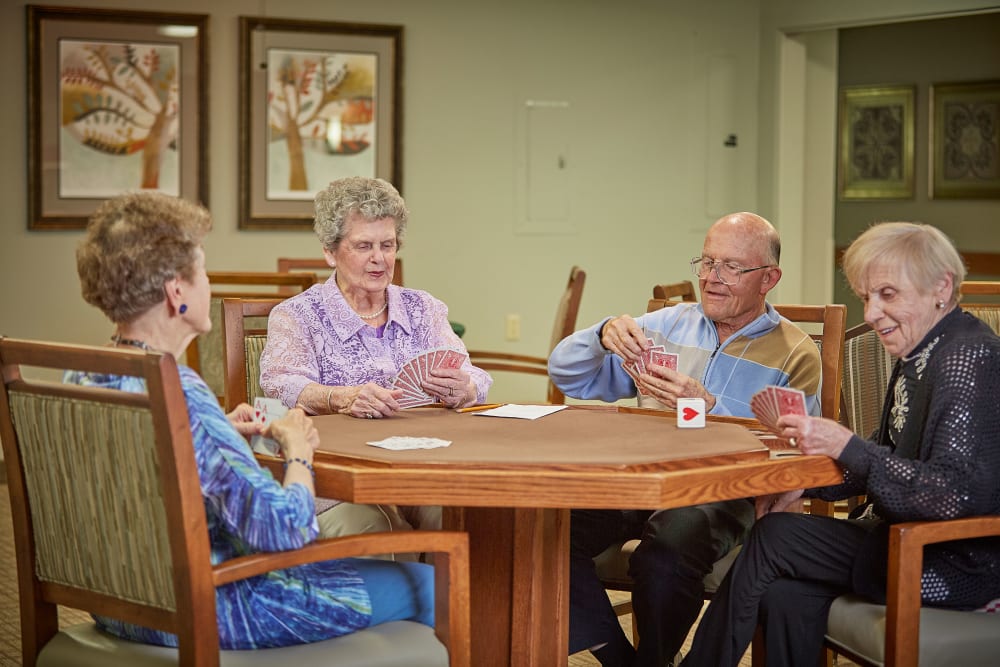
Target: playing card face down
[415, 371]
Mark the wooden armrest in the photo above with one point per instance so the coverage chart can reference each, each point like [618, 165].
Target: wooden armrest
[506, 355]
[451, 573]
[906, 566]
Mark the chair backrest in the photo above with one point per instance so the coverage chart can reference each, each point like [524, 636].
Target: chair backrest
[832, 319]
[680, 291]
[564, 324]
[865, 378]
[569, 307]
[322, 269]
[244, 334]
[107, 508]
[204, 354]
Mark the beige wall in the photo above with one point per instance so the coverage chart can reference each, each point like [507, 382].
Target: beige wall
[652, 89]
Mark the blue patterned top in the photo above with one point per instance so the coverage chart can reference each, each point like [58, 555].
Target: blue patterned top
[248, 511]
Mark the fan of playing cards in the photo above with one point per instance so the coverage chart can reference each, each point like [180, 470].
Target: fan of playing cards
[773, 402]
[413, 373]
[654, 356]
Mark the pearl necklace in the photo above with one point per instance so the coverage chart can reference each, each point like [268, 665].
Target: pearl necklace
[377, 312]
[118, 340]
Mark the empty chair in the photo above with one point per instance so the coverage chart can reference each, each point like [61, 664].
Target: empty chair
[565, 322]
[135, 546]
[244, 334]
[679, 291]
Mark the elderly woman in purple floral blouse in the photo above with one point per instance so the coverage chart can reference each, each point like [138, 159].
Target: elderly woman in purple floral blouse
[337, 347]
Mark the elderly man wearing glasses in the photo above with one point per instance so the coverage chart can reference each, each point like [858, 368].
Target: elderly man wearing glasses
[729, 346]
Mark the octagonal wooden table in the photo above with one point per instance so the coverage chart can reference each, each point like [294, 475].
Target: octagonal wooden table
[511, 483]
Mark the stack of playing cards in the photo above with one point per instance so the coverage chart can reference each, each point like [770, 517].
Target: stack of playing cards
[266, 410]
[654, 356]
[413, 373]
[772, 402]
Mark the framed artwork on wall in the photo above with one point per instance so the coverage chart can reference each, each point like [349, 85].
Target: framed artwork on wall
[875, 156]
[116, 102]
[965, 140]
[318, 101]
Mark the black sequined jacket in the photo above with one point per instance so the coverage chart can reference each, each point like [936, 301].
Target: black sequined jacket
[936, 456]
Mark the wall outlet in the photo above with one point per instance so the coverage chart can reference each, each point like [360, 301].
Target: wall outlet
[513, 327]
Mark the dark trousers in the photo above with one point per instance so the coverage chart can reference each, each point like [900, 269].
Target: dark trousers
[790, 570]
[678, 547]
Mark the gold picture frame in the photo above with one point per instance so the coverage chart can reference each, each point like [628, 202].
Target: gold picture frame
[965, 140]
[116, 102]
[318, 101]
[875, 156]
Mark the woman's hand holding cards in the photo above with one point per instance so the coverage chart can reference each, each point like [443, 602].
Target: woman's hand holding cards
[814, 435]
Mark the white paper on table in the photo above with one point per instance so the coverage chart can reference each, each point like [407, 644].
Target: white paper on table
[401, 442]
[521, 411]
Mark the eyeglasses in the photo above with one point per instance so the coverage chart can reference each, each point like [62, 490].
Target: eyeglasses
[728, 273]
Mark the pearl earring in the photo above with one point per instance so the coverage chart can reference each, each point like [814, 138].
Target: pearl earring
[940, 305]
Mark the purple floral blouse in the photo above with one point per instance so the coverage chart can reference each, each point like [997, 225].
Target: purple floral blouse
[316, 336]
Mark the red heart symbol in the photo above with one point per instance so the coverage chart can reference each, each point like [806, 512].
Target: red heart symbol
[257, 414]
[689, 414]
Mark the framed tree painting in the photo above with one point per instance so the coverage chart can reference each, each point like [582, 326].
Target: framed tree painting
[318, 101]
[116, 102]
[965, 140]
[875, 156]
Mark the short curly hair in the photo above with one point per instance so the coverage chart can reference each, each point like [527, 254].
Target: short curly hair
[373, 198]
[135, 243]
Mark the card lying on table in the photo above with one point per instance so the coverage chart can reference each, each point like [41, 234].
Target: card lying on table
[413, 373]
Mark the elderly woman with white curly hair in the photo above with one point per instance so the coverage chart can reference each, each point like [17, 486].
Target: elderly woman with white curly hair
[337, 347]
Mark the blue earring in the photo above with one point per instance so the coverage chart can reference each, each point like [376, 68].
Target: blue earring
[183, 309]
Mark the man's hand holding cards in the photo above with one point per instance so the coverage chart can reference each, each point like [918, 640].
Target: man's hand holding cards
[654, 355]
[773, 402]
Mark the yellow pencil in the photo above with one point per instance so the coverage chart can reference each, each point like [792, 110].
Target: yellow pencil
[478, 408]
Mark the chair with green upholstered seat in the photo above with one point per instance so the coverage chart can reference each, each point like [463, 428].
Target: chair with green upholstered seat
[109, 519]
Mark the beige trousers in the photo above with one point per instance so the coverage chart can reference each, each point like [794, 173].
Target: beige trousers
[350, 519]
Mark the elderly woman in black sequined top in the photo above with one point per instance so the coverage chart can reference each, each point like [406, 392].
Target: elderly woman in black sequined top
[935, 456]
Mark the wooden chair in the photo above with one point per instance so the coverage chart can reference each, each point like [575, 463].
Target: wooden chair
[321, 268]
[865, 378]
[244, 334]
[682, 291]
[612, 564]
[565, 323]
[109, 519]
[902, 633]
[204, 354]
[987, 307]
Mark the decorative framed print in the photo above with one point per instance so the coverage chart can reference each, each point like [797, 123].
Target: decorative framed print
[116, 102]
[965, 140]
[875, 156]
[318, 101]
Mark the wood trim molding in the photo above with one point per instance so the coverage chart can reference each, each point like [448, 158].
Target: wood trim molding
[978, 263]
